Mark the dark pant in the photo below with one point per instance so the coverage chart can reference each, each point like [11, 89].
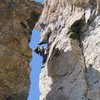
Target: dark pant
[44, 58]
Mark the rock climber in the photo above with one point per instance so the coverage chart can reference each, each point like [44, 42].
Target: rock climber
[42, 52]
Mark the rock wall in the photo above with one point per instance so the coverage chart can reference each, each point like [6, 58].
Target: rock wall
[17, 18]
[72, 68]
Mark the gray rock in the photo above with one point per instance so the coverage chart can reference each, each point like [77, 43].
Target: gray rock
[73, 64]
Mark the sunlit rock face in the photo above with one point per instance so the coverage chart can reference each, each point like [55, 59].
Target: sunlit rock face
[72, 69]
[17, 19]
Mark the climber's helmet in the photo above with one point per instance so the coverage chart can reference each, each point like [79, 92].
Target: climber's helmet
[36, 49]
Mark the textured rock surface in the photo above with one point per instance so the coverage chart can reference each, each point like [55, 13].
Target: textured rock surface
[91, 51]
[72, 69]
[17, 18]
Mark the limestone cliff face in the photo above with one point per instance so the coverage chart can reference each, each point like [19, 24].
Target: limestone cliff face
[17, 18]
[72, 69]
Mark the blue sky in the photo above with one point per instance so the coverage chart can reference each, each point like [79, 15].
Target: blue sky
[39, 0]
[35, 66]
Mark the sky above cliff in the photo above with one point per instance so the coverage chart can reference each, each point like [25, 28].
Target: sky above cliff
[39, 0]
[35, 66]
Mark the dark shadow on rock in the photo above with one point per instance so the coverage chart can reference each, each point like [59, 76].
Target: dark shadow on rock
[93, 76]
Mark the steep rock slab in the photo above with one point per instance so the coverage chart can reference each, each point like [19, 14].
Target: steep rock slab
[66, 75]
[91, 50]
[17, 18]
